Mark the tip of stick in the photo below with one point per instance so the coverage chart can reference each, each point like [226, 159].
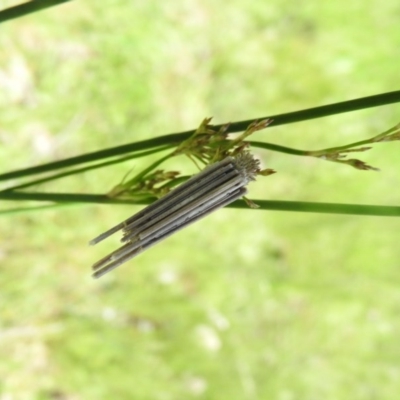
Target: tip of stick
[96, 275]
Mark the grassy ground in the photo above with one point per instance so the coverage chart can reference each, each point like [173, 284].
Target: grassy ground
[245, 304]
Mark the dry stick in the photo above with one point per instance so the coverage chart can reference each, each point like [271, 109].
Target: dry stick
[159, 204]
[102, 268]
[197, 205]
[216, 186]
[226, 181]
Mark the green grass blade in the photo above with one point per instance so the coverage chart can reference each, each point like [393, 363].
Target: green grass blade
[85, 169]
[20, 210]
[176, 138]
[324, 208]
[59, 197]
[27, 8]
[271, 205]
[89, 157]
[324, 111]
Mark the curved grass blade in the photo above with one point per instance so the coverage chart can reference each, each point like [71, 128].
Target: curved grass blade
[28, 8]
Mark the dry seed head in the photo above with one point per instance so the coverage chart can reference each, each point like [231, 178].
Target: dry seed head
[247, 166]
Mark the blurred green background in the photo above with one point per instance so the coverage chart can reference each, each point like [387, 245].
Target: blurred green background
[245, 304]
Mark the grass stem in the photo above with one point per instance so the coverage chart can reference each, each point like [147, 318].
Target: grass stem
[27, 8]
[275, 205]
[176, 138]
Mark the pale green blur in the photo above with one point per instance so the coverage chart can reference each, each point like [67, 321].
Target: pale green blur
[245, 304]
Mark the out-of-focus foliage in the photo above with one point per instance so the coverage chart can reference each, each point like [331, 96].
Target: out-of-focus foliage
[242, 305]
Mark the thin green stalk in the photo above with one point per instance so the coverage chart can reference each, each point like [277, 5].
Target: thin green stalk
[339, 153]
[337, 149]
[87, 158]
[391, 134]
[61, 197]
[21, 210]
[279, 148]
[176, 138]
[150, 168]
[323, 208]
[275, 205]
[121, 188]
[85, 169]
[27, 8]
